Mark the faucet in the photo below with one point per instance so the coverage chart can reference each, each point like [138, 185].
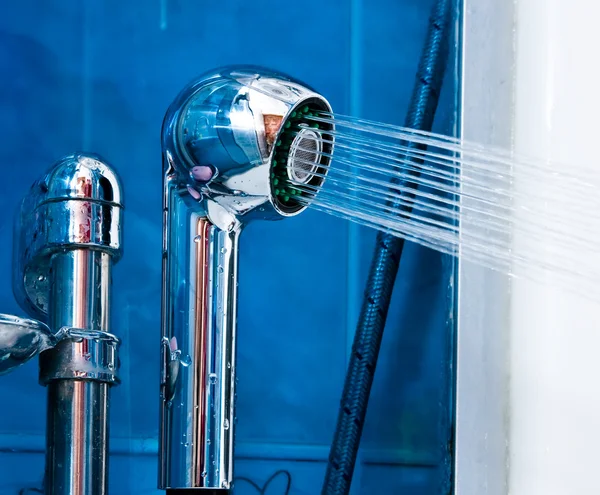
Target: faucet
[67, 237]
[235, 142]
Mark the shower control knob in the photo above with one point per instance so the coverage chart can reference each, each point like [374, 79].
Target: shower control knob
[20, 340]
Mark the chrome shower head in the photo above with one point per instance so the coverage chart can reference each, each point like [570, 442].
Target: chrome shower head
[238, 144]
[240, 141]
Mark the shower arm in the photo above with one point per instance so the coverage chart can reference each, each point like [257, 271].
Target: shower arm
[67, 236]
[222, 139]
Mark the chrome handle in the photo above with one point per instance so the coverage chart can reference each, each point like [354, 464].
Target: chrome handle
[22, 339]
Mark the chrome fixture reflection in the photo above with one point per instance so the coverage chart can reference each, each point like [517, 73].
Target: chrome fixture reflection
[222, 139]
[20, 340]
[67, 236]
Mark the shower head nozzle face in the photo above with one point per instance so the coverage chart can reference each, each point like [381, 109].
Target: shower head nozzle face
[240, 142]
[301, 159]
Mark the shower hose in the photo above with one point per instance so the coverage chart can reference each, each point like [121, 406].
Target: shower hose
[384, 268]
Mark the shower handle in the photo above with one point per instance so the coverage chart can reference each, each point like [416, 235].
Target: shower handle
[198, 351]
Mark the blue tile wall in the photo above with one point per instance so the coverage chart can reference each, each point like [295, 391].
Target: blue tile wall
[98, 76]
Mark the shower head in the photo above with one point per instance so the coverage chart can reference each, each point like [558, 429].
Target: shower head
[240, 142]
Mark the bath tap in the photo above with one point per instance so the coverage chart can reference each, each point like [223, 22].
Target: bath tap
[67, 237]
[235, 143]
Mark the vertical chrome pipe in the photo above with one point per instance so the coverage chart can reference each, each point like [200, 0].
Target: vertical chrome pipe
[222, 138]
[77, 419]
[198, 350]
[77, 438]
[68, 235]
[80, 291]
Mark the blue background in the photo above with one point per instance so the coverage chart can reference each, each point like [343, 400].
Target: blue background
[98, 76]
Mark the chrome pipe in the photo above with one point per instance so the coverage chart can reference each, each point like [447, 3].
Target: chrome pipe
[77, 418]
[77, 437]
[67, 236]
[80, 292]
[220, 143]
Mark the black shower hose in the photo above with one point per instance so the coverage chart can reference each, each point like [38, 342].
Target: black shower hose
[384, 268]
